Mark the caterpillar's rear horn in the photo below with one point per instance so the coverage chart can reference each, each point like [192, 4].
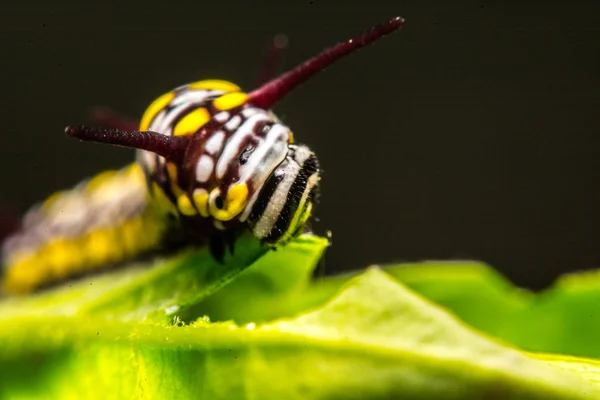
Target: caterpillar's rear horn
[274, 90]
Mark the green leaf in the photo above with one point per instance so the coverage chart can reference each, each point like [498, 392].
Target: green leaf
[565, 318]
[357, 336]
[280, 285]
[374, 339]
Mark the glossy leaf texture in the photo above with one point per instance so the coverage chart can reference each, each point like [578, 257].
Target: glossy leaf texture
[432, 330]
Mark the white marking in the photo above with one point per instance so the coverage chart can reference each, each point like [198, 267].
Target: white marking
[147, 159]
[204, 168]
[182, 87]
[248, 208]
[302, 154]
[161, 161]
[269, 153]
[157, 122]
[250, 111]
[222, 116]
[165, 125]
[232, 148]
[233, 123]
[190, 97]
[273, 154]
[215, 142]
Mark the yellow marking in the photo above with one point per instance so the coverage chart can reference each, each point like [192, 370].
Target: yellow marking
[192, 122]
[135, 171]
[215, 84]
[59, 255]
[52, 199]
[161, 199]
[294, 223]
[100, 247]
[185, 205]
[173, 174]
[291, 139]
[299, 220]
[129, 235]
[233, 204]
[100, 180]
[63, 257]
[155, 108]
[23, 277]
[230, 100]
[201, 201]
[66, 257]
[305, 215]
[153, 229]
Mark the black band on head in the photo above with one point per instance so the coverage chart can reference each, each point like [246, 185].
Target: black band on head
[294, 196]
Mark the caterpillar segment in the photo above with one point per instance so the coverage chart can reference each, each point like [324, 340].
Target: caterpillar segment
[101, 222]
[212, 158]
[212, 162]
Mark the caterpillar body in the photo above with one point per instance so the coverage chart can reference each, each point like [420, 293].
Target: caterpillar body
[212, 162]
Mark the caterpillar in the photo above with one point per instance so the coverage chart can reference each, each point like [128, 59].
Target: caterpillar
[211, 163]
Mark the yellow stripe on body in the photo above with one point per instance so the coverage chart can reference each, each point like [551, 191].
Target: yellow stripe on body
[162, 201]
[214, 84]
[98, 246]
[192, 122]
[52, 199]
[185, 205]
[230, 100]
[302, 212]
[64, 258]
[200, 197]
[162, 101]
[156, 106]
[173, 176]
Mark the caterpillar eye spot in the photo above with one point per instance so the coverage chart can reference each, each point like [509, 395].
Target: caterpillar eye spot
[265, 129]
[246, 155]
[219, 203]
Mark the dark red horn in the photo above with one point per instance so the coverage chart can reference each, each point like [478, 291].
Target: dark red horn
[170, 147]
[274, 90]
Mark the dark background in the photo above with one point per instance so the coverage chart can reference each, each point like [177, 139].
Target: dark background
[472, 133]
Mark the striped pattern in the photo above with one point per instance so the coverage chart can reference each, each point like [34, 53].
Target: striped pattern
[239, 146]
[240, 171]
[285, 197]
[103, 221]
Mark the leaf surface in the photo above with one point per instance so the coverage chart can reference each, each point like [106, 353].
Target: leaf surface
[281, 335]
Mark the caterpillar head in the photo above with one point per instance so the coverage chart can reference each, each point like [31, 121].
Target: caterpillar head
[213, 152]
